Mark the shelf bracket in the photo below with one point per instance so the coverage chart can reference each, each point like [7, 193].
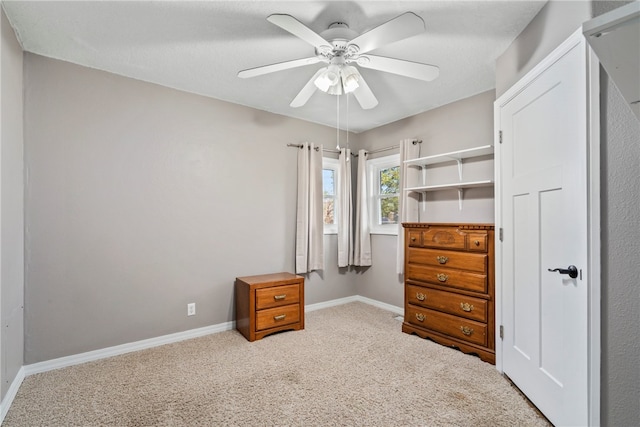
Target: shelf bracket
[460, 196]
[423, 201]
[459, 161]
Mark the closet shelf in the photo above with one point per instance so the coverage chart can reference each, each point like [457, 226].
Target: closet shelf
[484, 150]
[456, 185]
[454, 156]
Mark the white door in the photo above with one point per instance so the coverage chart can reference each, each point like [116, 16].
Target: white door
[543, 193]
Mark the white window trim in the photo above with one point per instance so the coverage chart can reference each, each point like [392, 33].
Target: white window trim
[333, 164]
[373, 166]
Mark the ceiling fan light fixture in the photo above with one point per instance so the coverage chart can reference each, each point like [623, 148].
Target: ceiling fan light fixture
[327, 79]
[350, 78]
[336, 89]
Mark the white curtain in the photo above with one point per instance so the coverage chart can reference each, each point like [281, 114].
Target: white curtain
[345, 210]
[309, 223]
[409, 204]
[362, 238]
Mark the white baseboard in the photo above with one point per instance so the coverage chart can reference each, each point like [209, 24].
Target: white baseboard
[90, 356]
[358, 298]
[11, 393]
[117, 350]
[383, 305]
[326, 304]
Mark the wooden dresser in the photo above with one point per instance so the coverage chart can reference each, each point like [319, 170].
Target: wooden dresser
[449, 285]
[269, 303]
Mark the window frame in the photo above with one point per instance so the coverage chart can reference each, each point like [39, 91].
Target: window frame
[374, 166]
[334, 165]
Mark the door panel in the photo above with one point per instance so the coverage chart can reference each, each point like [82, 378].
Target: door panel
[543, 190]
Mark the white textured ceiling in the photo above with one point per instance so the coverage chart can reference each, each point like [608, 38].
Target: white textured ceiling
[199, 47]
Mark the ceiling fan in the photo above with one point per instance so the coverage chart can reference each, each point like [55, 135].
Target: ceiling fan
[342, 48]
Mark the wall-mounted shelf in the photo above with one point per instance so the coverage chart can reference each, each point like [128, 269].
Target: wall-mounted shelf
[454, 156]
[457, 156]
[457, 185]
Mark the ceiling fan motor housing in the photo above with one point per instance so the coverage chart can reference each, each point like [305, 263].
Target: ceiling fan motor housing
[339, 35]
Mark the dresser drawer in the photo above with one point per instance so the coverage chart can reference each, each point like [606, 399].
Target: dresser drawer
[441, 276]
[477, 242]
[451, 259]
[453, 326]
[277, 296]
[272, 317]
[414, 238]
[443, 237]
[448, 302]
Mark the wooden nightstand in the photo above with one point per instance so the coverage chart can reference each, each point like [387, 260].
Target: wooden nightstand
[269, 303]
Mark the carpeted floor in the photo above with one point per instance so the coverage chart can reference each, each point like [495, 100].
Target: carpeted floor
[351, 366]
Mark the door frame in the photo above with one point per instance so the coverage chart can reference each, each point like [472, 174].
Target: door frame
[592, 68]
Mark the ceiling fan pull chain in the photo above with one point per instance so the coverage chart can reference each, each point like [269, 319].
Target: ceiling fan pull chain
[338, 122]
[347, 125]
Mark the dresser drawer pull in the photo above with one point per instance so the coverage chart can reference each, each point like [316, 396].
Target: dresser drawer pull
[442, 259]
[465, 306]
[279, 297]
[413, 239]
[442, 277]
[420, 317]
[279, 317]
[420, 296]
[476, 242]
[466, 330]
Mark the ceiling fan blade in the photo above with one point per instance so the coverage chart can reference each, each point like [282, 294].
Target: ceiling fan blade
[415, 70]
[265, 69]
[364, 95]
[298, 29]
[309, 89]
[401, 27]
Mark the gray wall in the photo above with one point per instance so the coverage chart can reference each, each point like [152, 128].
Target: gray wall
[460, 125]
[11, 208]
[620, 159]
[620, 162]
[141, 199]
[555, 22]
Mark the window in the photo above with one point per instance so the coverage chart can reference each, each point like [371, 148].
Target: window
[384, 185]
[330, 195]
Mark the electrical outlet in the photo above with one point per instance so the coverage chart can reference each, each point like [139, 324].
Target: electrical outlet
[191, 309]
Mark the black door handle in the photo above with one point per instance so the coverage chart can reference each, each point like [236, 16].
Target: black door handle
[572, 271]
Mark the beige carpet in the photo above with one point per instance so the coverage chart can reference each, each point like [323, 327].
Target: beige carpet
[351, 366]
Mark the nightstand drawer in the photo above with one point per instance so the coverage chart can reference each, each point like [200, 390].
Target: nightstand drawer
[448, 302]
[273, 317]
[277, 296]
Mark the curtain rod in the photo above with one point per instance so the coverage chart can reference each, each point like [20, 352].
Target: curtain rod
[379, 150]
[393, 147]
[316, 148]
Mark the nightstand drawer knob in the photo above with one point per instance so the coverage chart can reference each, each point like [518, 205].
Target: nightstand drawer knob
[466, 330]
[442, 259]
[442, 277]
[420, 296]
[465, 306]
[420, 317]
[279, 297]
[279, 317]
